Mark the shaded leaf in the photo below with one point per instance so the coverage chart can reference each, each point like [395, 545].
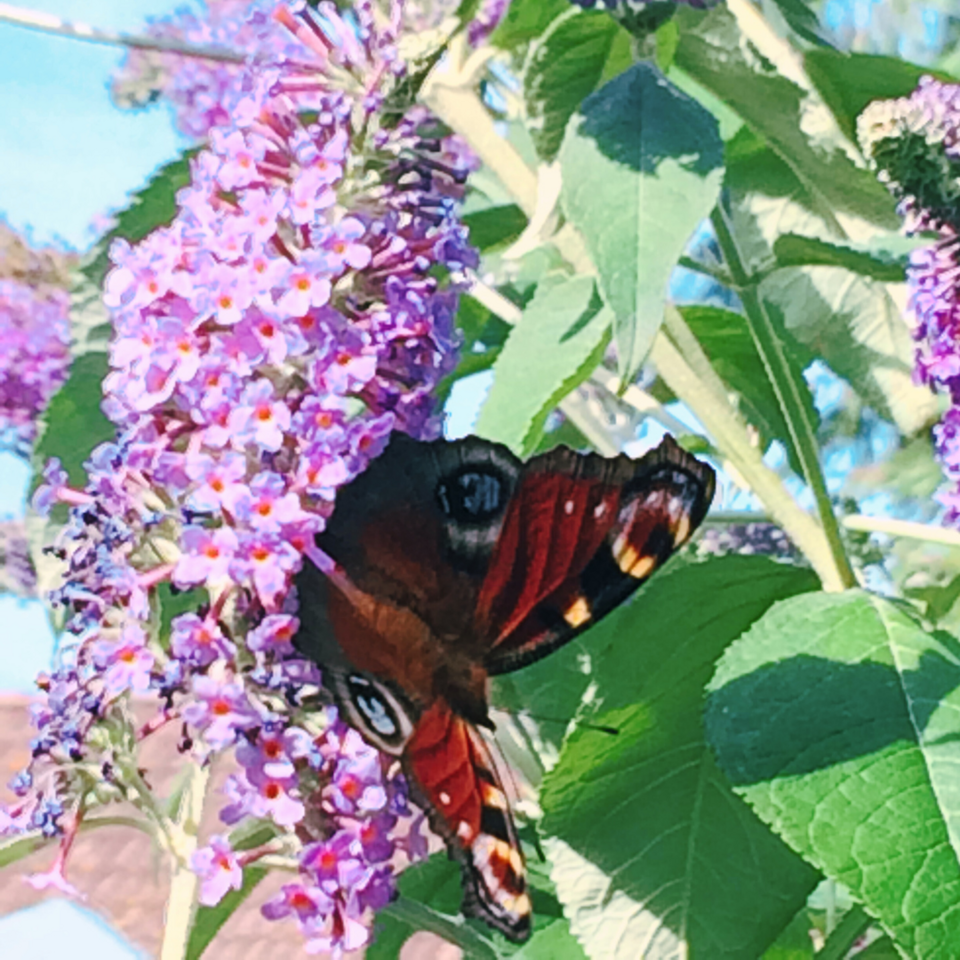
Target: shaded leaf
[653, 854]
[153, 206]
[803, 21]
[525, 20]
[556, 345]
[430, 895]
[849, 81]
[836, 718]
[711, 51]
[73, 424]
[793, 250]
[856, 326]
[563, 67]
[495, 226]
[726, 339]
[642, 166]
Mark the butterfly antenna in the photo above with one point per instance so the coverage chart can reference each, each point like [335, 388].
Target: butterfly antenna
[585, 724]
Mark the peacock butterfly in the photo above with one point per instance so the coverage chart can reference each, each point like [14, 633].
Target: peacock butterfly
[455, 561]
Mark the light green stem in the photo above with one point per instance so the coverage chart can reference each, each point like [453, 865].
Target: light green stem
[695, 386]
[788, 387]
[184, 883]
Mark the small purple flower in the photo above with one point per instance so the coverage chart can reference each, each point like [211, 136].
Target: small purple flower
[274, 633]
[217, 867]
[307, 903]
[220, 711]
[259, 418]
[207, 554]
[198, 641]
[126, 662]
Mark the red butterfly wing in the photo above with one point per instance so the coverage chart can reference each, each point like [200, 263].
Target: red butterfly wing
[451, 769]
[580, 534]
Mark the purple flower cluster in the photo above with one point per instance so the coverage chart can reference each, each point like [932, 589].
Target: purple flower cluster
[199, 89]
[265, 346]
[914, 143]
[763, 539]
[35, 333]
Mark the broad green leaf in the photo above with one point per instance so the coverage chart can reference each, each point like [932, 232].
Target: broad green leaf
[653, 854]
[525, 20]
[554, 942]
[209, 920]
[73, 423]
[727, 341]
[430, 895]
[556, 345]
[836, 718]
[550, 696]
[849, 81]
[793, 250]
[564, 66]
[642, 167]
[795, 123]
[153, 206]
[856, 325]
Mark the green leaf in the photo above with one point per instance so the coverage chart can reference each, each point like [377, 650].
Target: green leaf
[849, 81]
[836, 718]
[803, 21]
[430, 895]
[153, 206]
[793, 250]
[642, 166]
[209, 920]
[711, 52]
[726, 340]
[554, 942]
[856, 326]
[653, 854]
[556, 345]
[73, 423]
[495, 227]
[563, 67]
[525, 20]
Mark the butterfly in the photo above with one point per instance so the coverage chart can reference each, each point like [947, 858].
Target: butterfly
[453, 562]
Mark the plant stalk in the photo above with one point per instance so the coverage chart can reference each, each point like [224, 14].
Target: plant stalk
[694, 385]
[184, 883]
[788, 387]
[47, 23]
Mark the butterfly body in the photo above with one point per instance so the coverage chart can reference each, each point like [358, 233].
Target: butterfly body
[456, 562]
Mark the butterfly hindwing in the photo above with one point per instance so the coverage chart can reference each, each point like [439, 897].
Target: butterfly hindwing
[453, 775]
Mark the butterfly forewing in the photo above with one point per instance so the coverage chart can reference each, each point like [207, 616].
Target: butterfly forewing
[603, 529]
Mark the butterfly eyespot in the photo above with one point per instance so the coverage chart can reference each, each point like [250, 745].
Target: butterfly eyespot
[373, 709]
[472, 496]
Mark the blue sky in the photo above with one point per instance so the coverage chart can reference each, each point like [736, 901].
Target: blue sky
[67, 155]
